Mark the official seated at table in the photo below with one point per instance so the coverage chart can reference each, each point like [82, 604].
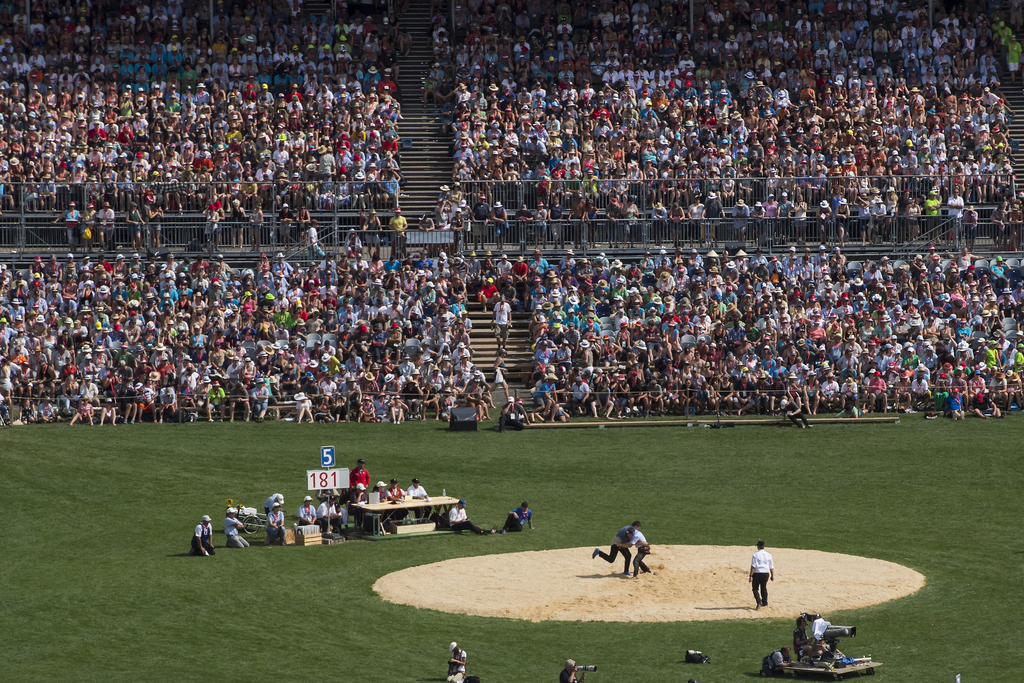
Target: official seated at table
[396, 494]
[415, 491]
[381, 489]
[355, 497]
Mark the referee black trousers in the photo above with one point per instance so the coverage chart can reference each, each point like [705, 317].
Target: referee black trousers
[760, 582]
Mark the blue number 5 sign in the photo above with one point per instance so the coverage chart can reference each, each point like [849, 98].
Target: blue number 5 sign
[327, 456]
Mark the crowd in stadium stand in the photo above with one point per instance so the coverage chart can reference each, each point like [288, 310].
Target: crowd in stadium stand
[614, 109]
[386, 341]
[780, 111]
[751, 333]
[127, 116]
[135, 339]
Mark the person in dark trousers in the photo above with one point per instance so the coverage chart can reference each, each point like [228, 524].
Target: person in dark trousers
[202, 539]
[458, 521]
[795, 408]
[621, 544]
[761, 570]
[512, 415]
[643, 549]
[518, 518]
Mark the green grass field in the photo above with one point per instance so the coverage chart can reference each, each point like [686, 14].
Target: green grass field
[95, 584]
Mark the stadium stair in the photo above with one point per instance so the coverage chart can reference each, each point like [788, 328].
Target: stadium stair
[1015, 130]
[485, 347]
[427, 163]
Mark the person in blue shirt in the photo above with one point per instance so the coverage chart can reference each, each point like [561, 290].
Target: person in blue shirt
[955, 405]
[519, 518]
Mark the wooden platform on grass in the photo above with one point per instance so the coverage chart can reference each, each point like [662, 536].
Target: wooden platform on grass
[864, 669]
[421, 534]
[701, 422]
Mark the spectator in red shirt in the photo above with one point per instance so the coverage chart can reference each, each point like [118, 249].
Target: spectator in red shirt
[489, 292]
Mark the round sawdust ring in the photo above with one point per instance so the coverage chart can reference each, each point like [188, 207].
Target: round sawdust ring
[691, 583]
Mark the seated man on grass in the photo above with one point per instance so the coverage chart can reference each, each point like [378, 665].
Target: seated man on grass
[518, 518]
[459, 521]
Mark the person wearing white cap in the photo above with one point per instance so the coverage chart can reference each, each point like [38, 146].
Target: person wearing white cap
[456, 663]
[356, 498]
[275, 525]
[513, 415]
[231, 529]
[269, 502]
[202, 539]
[307, 513]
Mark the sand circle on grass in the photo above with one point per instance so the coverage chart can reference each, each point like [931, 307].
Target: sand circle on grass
[690, 583]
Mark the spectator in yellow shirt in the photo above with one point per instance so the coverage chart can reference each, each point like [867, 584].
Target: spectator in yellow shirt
[215, 398]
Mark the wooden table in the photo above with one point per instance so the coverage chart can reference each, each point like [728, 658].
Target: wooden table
[861, 669]
[385, 511]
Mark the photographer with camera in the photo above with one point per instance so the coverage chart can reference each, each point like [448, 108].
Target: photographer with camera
[572, 673]
[456, 664]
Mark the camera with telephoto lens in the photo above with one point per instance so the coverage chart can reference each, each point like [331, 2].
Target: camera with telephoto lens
[586, 668]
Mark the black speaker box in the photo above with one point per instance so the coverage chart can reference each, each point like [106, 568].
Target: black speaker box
[463, 420]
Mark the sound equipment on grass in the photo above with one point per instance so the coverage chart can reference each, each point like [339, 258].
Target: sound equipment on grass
[463, 420]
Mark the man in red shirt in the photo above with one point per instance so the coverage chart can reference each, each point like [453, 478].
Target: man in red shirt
[489, 292]
[359, 475]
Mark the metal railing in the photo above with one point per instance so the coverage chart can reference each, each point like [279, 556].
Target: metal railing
[646, 194]
[32, 220]
[902, 234]
[32, 215]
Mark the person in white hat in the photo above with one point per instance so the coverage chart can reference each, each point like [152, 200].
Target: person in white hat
[202, 539]
[275, 525]
[307, 513]
[456, 663]
[231, 528]
[356, 498]
[269, 502]
[303, 407]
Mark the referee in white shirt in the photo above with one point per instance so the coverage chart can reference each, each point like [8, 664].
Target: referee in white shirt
[761, 570]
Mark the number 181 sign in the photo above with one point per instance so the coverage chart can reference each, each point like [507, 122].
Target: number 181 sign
[326, 479]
